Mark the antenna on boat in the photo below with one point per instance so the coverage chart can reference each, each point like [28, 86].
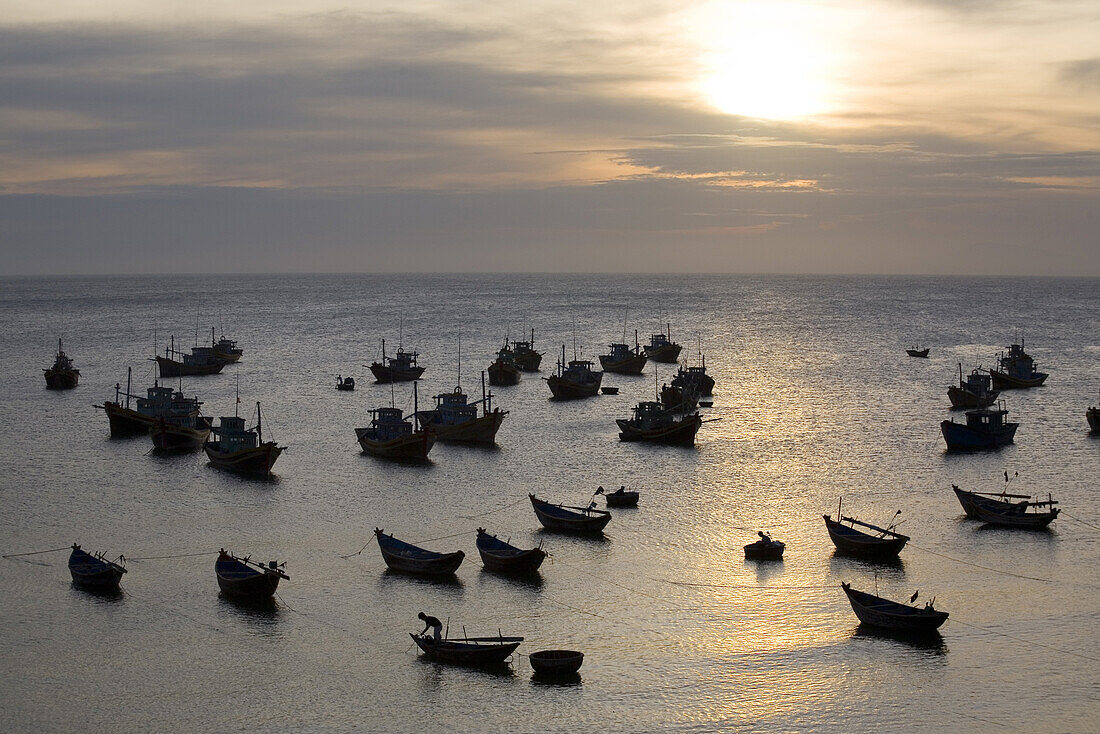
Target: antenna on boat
[574, 342]
[259, 423]
[485, 397]
[459, 362]
[129, 373]
[237, 403]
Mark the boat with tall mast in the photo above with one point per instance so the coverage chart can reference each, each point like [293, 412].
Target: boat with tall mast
[1016, 370]
[695, 377]
[661, 348]
[240, 449]
[201, 361]
[623, 359]
[525, 356]
[159, 401]
[574, 380]
[504, 371]
[390, 434]
[651, 423]
[62, 375]
[183, 428]
[976, 391]
[401, 367]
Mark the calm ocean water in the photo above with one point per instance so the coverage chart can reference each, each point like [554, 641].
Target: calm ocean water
[817, 399]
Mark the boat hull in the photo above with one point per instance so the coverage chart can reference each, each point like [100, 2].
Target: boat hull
[1015, 516]
[1092, 415]
[679, 433]
[852, 542]
[961, 437]
[172, 368]
[528, 361]
[238, 581]
[889, 615]
[963, 398]
[563, 389]
[565, 520]
[622, 499]
[169, 438]
[504, 374]
[667, 354]
[460, 652]
[1005, 381]
[414, 447]
[479, 430]
[385, 374]
[249, 462]
[762, 551]
[61, 379]
[125, 422]
[556, 662]
[527, 561]
[919, 353]
[406, 558]
[94, 574]
[632, 365]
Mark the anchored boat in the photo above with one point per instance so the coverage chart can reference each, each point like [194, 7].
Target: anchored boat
[94, 572]
[390, 435]
[62, 375]
[1016, 370]
[1092, 415]
[468, 650]
[159, 401]
[570, 519]
[878, 612]
[650, 422]
[244, 579]
[976, 391]
[182, 428]
[985, 428]
[504, 370]
[502, 557]
[765, 549]
[1017, 515]
[916, 352]
[623, 359]
[201, 361]
[695, 378]
[525, 356]
[882, 543]
[401, 367]
[226, 349]
[409, 558]
[242, 450]
[661, 348]
[455, 419]
[575, 380]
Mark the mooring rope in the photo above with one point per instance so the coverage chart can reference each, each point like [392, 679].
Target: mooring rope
[490, 512]
[1018, 638]
[1083, 522]
[36, 553]
[978, 565]
[159, 558]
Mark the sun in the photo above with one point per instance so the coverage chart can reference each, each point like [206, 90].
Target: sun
[764, 59]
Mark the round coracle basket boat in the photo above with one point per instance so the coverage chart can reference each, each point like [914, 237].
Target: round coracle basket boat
[556, 661]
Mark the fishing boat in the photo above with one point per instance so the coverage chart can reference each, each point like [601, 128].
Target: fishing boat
[455, 419]
[201, 361]
[878, 612]
[695, 377]
[765, 549]
[468, 650]
[1016, 370]
[401, 367]
[556, 662]
[883, 543]
[504, 370]
[621, 497]
[1092, 415]
[226, 349]
[651, 423]
[996, 500]
[661, 348]
[159, 401]
[525, 356]
[976, 391]
[499, 556]
[679, 399]
[570, 519]
[93, 571]
[62, 375]
[408, 558]
[1016, 515]
[623, 359]
[390, 435]
[916, 352]
[984, 428]
[182, 428]
[242, 450]
[245, 579]
[346, 384]
[575, 380]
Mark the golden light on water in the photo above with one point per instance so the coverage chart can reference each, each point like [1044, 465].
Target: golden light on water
[766, 59]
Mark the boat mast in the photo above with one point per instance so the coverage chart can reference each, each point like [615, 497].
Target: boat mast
[129, 373]
[484, 397]
[383, 352]
[459, 383]
[416, 405]
[259, 423]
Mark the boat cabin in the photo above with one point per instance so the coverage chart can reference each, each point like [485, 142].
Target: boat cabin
[986, 419]
[233, 436]
[452, 408]
[388, 423]
[158, 401]
[650, 414]
[402, 360]
[620, 352]
[659, 341]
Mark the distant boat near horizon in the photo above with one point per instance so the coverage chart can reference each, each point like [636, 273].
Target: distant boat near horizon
[62, 375]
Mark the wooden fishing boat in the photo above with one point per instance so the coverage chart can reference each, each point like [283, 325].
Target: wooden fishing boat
[765, 549]
[1092, 415]
[160, 401]
[504, 370]
[695, 377]
[996, 500]
[468, 650]
[915, 352]
[345, 383]
[1016, 515]
[878, 612]
[679, 399]
[609, 390]
[245, 579]
[183, 428]
[621, 497]
[201, 361]
[1016, 370]
[401, 367]
[884, 543]
[408, 558]
[556, 662]
[651, 423]
[525, 356]
[94, 572]
[390, 435]
[226, 349]
[661, 348]
[623, 359]
[499, 556]
[62, 375]
[985, 428]
[570, 519]
[455, 419]
[575, 380]
[242, 450]
[976, 391]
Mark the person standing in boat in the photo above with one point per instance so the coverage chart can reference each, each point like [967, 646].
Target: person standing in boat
[433, 624]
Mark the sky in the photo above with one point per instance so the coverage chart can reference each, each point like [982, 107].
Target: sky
[778, 136]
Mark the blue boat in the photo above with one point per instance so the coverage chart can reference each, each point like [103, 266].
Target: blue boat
[409, 558]
[1016, 370]
[985, 428]
[245, 579]
[94, 572]
[570, 519]
[502, 557]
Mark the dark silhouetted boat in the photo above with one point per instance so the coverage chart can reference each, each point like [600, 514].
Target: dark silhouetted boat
[242, 450]
[915, 352]
[504, 370]
[226, 349]
[94, 572]
[1092, 415]
[765, 549]
[160, 401]
[575, 380]
[476, 651]
[345, 383]
[997, 500]
[182, 428]
[525, 356]
[881, 543]
[62, 375]
[401, 367]
[661, 348]
[651, 423]
[455, 419]
[985, 428]
[390, 435]
[679, 399]
[695, 377]
[976, 391]
[570, 519]
[1016, 370]
[890, 615]
[623, 359]
[621, 497]
[201, 361]
[499, 556]
[244, 579]
[1017, 515]
[556, 662]
[408, 558]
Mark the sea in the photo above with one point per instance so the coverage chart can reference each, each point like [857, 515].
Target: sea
[816, 404]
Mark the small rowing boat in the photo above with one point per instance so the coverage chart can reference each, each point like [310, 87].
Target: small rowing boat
[468, 650]
[570, 519]
[409, 558]
[245, 579]
[502, 557]
[765, 549]
[94, 572]
[883, 543]
[621, 497]
[878, 612]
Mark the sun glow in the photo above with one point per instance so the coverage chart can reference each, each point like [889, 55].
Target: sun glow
[766, 59]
